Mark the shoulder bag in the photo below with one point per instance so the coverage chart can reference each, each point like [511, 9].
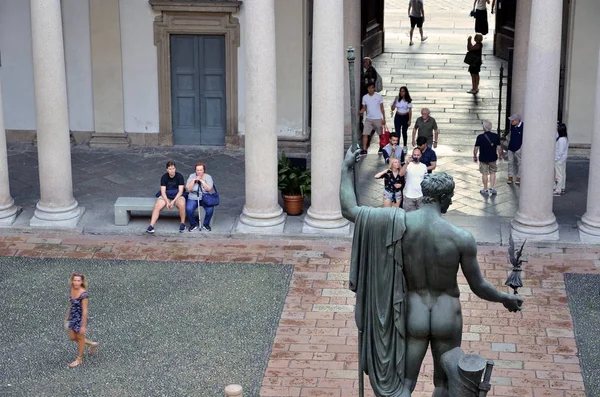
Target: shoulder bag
[210, 199]
[471, 58]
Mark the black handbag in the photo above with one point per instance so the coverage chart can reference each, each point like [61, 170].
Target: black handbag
[211, 199]
[473, 13]
[471, 59]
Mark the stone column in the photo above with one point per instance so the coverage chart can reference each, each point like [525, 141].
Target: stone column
[327, 135]
[107, 75]
[57, 207]
[352, 26]
[589, 226]
[262, 209]
[8, 209]
[535, 219]
[521, 46]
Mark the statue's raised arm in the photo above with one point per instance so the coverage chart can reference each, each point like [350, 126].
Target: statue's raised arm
[347, 196]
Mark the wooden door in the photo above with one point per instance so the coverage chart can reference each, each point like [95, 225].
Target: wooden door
[372, 34]
[198, 90]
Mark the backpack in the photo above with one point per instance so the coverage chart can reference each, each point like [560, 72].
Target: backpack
[378, 83]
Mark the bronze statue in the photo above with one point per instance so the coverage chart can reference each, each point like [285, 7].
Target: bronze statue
[403, 270]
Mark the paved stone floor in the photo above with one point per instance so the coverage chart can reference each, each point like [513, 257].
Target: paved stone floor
[314, 352]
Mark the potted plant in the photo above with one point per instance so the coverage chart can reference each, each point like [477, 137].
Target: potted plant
[294, 184]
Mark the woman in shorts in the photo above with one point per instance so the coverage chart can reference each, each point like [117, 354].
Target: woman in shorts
[393, 184]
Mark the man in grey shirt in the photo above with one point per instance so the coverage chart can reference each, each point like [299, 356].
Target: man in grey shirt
[427, 127]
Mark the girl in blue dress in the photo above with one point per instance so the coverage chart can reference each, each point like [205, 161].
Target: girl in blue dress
[77, 316]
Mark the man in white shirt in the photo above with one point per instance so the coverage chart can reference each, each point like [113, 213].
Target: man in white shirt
[372, 104]
[415, 173]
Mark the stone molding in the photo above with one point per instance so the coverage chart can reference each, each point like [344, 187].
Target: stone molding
[202, 18]
[225, 6]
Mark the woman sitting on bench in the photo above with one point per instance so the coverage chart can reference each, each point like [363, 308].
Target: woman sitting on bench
[198, 184]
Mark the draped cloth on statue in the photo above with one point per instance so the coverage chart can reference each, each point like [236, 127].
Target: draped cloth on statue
[376, 277]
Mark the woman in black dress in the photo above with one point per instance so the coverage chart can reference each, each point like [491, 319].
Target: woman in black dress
[481, 17]
[77, 316]
[475, 67]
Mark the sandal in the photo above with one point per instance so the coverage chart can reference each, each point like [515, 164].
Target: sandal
[93, 347]
[77, 362]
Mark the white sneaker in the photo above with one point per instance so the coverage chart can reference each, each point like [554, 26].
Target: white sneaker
[404, 149]
[424, 38]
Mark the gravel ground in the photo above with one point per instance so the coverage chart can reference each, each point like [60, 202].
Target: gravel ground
[583, 291]
[165, 328]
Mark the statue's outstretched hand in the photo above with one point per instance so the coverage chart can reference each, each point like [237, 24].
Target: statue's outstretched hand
[351, 156]
[513, 303]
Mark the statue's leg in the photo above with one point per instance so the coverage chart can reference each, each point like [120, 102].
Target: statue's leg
[446, 332]
[417, 330]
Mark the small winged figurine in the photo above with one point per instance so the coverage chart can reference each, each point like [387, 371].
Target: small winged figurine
[514, 280]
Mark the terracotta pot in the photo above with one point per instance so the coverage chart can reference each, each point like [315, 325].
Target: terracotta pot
[293, 204]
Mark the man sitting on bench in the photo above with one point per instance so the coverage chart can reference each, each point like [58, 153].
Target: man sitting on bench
[170, 194]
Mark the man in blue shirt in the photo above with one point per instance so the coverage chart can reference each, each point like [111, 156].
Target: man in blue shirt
[488, 146]
[514, 148]
[428, 156]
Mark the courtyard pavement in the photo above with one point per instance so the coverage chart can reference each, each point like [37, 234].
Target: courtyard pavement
[314, 350]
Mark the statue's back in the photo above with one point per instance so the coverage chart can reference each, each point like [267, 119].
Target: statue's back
[431, 252]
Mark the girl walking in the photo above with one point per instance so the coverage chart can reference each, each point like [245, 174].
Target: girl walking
[403, 106]
[77, 317]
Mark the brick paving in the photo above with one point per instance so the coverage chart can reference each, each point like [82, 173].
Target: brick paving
[314, 352]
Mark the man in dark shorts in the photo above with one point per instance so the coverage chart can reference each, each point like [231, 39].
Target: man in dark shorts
[170, 194]
[416, 13]
[488, 146]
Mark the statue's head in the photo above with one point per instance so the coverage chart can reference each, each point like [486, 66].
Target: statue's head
[438, 188]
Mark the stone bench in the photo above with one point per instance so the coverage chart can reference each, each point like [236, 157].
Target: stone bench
[124, 206]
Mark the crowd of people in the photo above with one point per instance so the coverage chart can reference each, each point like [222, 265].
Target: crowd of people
[403, 176]
[186, 196]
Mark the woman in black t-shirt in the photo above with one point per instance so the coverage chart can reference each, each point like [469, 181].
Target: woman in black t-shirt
[393, 184]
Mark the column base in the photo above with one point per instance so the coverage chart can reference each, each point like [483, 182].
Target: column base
[9, 213]
[110, 140]
[541, 232]
[262, 220]
[589, 230]
[245, 228]
[57, 218]
[315, 223]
